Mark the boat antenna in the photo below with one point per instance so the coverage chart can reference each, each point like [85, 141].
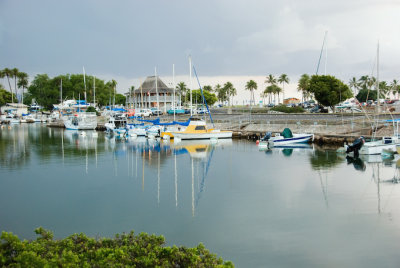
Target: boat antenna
[155, 76]
[322, 49]
[204, 99]
[377, 78]
[191, 86]
[61, 99]
[173, 85]
[94, 92]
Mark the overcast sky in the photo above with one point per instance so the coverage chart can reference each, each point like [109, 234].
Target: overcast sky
[228, 40]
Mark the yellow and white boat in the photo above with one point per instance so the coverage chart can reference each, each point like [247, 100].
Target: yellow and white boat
[197, 130]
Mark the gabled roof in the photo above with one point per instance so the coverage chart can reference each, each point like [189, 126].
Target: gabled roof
[149, 85]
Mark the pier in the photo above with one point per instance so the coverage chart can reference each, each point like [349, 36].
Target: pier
[327, 128]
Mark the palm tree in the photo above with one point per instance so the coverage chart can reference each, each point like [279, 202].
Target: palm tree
[384, 89]
[7, 72]
[230, 91]
[221, 93]
[251, 85]
[277, 91]
[353, 83]
[270, 80]
[14, 73]
[22, 82]
[208, 88]
[303, 86]
[395, 87]
[181, 87]
[363, 82]
[262, 95]
[283, 79]
[131, 89]
[269, 90]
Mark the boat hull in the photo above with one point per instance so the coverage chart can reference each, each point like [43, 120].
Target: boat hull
[297, 138]
[203, 136]
[81, 122]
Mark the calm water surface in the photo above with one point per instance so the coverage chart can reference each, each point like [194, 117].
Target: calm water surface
[301, 207]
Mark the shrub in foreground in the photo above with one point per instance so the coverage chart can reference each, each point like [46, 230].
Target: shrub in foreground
[285, 109]
[78, 250]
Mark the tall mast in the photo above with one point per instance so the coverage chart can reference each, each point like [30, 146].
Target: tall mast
[84, 81]
[94, 91]
[326, 54]
[322, 49]
[191, 86]
[377, 77]
[155, 75]
[61, 99]
[173, 85]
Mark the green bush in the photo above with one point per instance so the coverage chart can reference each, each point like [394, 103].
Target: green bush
[284, 109]
[78, 250]
[91, 109]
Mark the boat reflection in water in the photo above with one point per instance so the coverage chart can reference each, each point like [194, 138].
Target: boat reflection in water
[155, 154]
[201, 153]
[288, 150]
[357, 162]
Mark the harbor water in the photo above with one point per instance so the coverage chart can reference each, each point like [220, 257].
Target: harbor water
[284, 207]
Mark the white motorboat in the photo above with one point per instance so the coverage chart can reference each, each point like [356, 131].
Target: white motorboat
[136, 130]
[376, 147]
[81, 121]
[154, 131]
[286, 138]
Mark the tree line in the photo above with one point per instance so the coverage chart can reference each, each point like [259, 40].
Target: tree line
[20, 80]
[46, 91]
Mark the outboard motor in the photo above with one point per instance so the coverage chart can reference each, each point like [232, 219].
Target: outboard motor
[267, 136]
[356, 146]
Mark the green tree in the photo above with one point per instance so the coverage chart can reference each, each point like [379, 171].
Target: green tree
[353, 84]
[303, 86]
[208, 88]
[22, 82]
[271, 79]
[7, 73]
[272, 90]
[120, 99]
[210, 97]
[182, 90]
[384, 88]
[14, 73]
[5, 96]
[395, 87]
[230, 91]
[222, 94]
[366, 94]
[283, 79]
[328, 90]
[46, 91]
[251, 86]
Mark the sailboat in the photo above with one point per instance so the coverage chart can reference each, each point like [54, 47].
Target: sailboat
[197, 128]
[81, 120]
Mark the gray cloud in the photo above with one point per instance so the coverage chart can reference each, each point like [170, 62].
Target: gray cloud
[129, 38]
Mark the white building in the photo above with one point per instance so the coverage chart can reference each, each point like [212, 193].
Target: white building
[146, 95]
